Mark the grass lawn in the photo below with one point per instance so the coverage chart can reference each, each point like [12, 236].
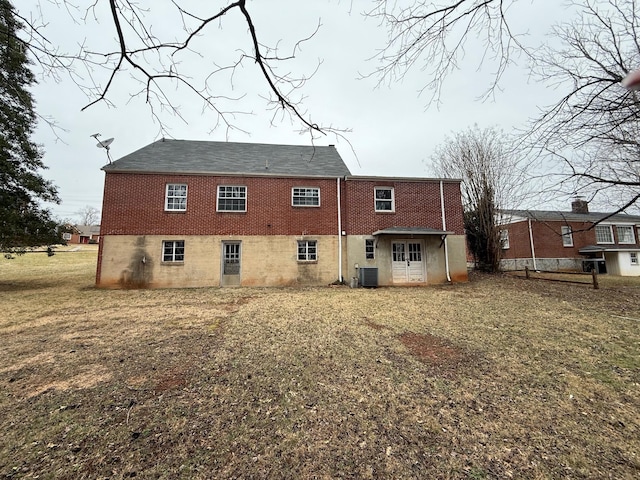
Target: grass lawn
[497, 378]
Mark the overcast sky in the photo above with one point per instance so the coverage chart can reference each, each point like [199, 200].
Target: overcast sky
[393, 134]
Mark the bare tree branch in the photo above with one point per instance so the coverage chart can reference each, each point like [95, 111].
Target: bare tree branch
[593, 132]
[156, 61]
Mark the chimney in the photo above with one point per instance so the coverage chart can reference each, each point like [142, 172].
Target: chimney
[579, 206]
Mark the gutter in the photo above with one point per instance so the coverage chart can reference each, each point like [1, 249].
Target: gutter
[444, 227]
[533, 250]
[339, 231]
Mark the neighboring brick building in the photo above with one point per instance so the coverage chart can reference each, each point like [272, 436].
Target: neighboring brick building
[193, 213]
[83, 234]
[576, 240]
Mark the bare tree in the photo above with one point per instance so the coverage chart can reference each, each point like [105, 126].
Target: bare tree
[492, 179]
[593, 130]
[432, 35]
[160, 60]
[88, 215]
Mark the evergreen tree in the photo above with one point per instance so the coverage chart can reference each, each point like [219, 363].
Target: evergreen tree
[23, 221]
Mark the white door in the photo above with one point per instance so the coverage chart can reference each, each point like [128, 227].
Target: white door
[407, 263]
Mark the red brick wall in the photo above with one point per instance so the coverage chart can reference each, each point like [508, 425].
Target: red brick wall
[417, 204]
[133, 204]
[547, 239]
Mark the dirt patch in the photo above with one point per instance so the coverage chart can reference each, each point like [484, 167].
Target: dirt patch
[432, 350]
[171, 381]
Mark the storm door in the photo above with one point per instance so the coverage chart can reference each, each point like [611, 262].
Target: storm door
[231, 256]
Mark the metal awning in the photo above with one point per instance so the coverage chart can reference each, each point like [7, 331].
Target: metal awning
[590, 249]
[412, 231]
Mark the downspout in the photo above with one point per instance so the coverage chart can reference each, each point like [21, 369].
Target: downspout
[533, 250]
[444, 227]
[339, 232]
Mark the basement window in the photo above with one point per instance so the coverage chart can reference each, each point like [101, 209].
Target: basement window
[307, 250]
[173, 251]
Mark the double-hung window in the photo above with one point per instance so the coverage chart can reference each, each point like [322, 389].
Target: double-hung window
[567, 236]
[504, 239]
[176, 197]
[625, 234]
[173, 251]
[634, 258]
[232, 198]
[384, 199]
[604, 234]
[307, 250]
[305, 197]
[369, 248]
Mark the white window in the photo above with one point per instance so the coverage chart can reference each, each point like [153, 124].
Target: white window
[625, 234]
[173, 251]
[66, 236]
[369, 248]
[604, 234]
[176, 197]
[232, 198]
[305, 197]
[634, 258]
[307, 250]
[384, 199]
[504, 239]
[567, 236]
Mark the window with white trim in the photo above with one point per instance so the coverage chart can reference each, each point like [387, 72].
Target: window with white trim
[567, 236]
[176, 197]
[625, 234]
[305, 197]
[66, 236]
[604, 234]
[384, 199]
[634, 258]
[504, 239]
[369, 248]
[307, 250]
[232, 198]
[173, 250]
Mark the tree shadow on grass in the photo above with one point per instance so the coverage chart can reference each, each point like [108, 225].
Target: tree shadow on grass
[20, 285]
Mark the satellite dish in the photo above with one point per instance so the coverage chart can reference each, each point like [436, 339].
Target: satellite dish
[104, 143]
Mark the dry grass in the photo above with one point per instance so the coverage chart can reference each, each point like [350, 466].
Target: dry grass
[496, 378]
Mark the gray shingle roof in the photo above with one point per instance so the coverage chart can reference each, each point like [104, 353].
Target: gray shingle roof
[188, 156]
[558, 216]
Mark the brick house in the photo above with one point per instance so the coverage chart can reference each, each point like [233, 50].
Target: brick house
[575, 240]
[197, 213]
[82, 234]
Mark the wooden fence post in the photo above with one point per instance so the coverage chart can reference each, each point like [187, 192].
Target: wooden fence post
[526, 272]
[594, 275]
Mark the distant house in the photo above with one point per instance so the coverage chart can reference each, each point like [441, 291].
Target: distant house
[182, 213]
[575, 240]
[83, 234]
